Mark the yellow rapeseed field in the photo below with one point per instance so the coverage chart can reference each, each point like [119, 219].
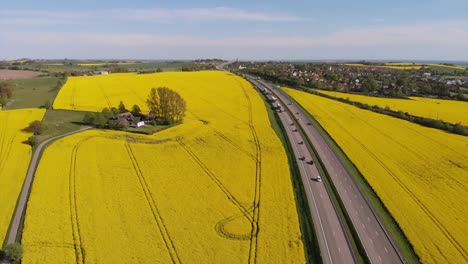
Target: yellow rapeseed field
[215, 189]
[14, 159]
[396, 67]
[447, 110]
[419, 173]
[455, 67]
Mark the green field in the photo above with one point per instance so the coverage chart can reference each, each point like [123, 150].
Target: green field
[59, 122]
[32, 93]
[59, 66]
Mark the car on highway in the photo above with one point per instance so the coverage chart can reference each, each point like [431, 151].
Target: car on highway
[300, 142]
[308, 123]
[311, 162]
[294, 130]
[302, 158]
[318, 179]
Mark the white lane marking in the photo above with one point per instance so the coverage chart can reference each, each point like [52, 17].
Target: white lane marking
[320, 221]
[362, 207]
[368, 219]
[380, 259]
[370, 239]
[334, 233]
[377, 233]
[386, 250]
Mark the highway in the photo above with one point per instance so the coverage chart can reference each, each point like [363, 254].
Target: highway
[334, 245]
[377, 243]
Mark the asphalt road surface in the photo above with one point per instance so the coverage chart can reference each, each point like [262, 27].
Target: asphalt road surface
[24, 196]
[334, 246]
[378, 245]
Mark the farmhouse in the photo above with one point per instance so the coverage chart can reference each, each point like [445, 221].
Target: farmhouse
[100, 72]
[133, 121]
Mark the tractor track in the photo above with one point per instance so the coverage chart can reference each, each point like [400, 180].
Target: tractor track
[433, 218]
[213, 177]
[76, 233]
[154, 209]
[258, 182]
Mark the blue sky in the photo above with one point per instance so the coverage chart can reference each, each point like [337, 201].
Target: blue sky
[143, 29]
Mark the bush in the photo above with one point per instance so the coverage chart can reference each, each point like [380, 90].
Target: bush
[13, 253]
[460, 129]
[33, 141]
[36, 127]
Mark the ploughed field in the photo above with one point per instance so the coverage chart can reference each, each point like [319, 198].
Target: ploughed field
[15, 154]
[420, 174]
[447, 110]
[214, 189]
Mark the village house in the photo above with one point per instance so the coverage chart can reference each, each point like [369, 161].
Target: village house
[133, 121]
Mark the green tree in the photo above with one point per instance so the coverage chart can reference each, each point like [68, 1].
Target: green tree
[107, 113]
[36, 127]
[100, 120]
[136, 111]
[6, 90]
[114, 110]
[89, 118]
[122, 108]
[166, 104]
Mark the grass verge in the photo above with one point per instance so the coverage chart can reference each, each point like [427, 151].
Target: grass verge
[384, 215]
[311, 246]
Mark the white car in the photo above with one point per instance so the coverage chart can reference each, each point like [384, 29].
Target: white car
[319, 179]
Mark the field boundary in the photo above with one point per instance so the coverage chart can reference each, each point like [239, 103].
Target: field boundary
[15, 228]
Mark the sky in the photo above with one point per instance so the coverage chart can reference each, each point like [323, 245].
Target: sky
[245, 30]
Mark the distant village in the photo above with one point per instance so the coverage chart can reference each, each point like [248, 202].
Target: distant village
[372, 79]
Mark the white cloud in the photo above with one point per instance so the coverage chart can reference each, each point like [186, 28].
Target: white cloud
[157, 15]
[443, 40]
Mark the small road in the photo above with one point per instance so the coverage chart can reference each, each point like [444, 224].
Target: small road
[377, 243]
[24, 196]
[335, 246]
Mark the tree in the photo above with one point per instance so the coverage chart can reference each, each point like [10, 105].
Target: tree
[100, 120]
[106, 112]
[36, 127]
[89, 118]
[166, 104]
[122, 108]
[6, 90]
[136, 111]
[114, 110]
